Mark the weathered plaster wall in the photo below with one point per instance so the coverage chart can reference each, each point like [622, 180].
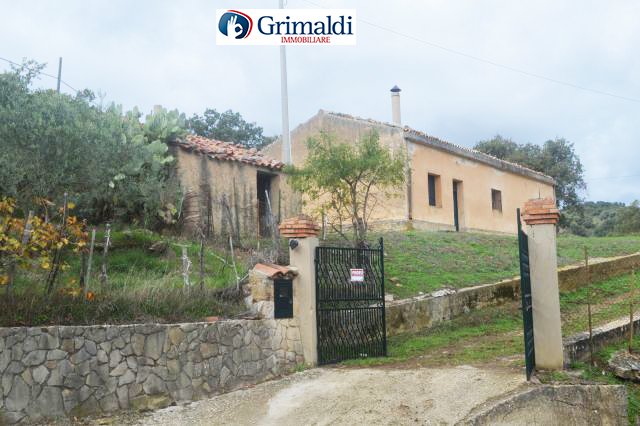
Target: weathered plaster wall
[346, 129]
[289, 201]
[424, 312]
[474, 198]
[206, 180]
[200, 176]
[57, 371]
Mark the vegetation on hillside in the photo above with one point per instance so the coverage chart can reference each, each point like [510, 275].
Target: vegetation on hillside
[69, 163]
[112, 165]
[145, 282]
[555, 158]
[602, 218]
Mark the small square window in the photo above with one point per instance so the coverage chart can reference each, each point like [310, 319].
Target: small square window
[496, 200]
[433, 182]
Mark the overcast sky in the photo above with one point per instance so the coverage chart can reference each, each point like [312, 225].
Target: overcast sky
[143, 53]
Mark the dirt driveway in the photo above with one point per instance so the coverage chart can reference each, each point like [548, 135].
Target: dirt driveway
[328, 396]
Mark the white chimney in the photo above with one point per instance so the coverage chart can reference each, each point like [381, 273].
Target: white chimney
[395, 105]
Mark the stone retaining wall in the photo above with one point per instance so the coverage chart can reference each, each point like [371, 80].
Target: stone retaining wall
[80, 370]
[418, 313]
[571, 278]
[576, 347]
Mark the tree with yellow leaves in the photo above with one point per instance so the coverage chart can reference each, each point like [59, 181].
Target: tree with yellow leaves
[34, 242]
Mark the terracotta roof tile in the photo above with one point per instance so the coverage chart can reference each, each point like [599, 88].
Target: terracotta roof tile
[299, 227]
[540, 211]
[272, 270]
[227, 151]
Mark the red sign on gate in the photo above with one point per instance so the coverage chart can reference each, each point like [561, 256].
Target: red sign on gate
[357, 275]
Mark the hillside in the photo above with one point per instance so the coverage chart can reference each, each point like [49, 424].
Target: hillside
[419, 261]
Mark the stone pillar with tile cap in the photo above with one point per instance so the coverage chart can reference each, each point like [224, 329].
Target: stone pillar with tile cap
[541, 218]
[304, 231]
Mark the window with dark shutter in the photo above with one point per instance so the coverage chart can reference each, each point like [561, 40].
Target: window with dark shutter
[496, 200]
[432, 190]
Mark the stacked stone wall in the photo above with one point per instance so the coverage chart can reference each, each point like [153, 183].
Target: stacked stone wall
[80, 370]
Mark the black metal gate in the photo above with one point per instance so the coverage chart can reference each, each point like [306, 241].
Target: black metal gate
[350, 303]
[527, 307]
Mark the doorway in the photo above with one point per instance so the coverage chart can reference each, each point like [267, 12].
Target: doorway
[265, 204]
[457, 190]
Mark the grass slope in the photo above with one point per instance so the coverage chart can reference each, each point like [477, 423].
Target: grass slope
[423, 261]
[142, 286]
[494, 333]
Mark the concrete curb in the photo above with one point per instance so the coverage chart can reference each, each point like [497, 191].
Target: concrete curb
[555, 404]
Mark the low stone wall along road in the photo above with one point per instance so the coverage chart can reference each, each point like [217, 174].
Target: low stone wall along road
[78, 371]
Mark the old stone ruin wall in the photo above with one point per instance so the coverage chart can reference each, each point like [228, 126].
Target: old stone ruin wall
[81, 370]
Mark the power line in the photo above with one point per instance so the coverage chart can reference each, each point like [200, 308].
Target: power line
[42, 73]
[490, 62]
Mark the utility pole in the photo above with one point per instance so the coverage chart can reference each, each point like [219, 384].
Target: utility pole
[59, 74]
[286, 142]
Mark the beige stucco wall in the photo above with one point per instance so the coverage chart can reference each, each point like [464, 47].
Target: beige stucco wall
[347, 130]
[477, 179]
[238, 181]
[474, 198]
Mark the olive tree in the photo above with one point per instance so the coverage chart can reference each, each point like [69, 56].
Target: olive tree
[349, 181]
[113, 165]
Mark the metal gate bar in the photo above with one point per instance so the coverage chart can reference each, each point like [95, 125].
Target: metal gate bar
[350, 315]
[527, 305]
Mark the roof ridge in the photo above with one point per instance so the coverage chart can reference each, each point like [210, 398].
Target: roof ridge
[368, 120]
[475, 151]
[470, 151]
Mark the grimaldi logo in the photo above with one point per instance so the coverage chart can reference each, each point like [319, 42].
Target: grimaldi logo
[235, 25]
[286, 26]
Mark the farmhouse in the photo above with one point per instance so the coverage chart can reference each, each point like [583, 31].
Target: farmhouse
[228, 189]
[448, 187]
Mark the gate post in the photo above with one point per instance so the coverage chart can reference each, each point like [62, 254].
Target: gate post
[541, 217]
[302, 233]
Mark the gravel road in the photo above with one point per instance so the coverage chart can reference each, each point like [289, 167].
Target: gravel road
[328, 396]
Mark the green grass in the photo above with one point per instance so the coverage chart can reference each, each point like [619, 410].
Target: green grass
[496, 332]
[116, 306]
[130, 264]
[610, 300]
[554, 376]
[142, 286]
[477, 337]
[423, 261]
